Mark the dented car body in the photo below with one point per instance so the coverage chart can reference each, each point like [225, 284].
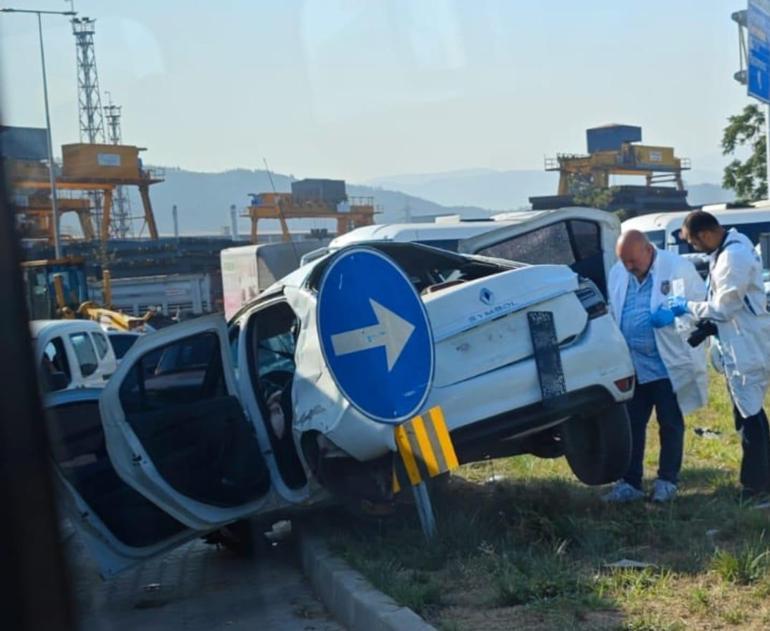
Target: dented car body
[206, 422]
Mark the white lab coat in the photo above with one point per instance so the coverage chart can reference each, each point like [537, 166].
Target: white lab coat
[686, 366]
[736, 302]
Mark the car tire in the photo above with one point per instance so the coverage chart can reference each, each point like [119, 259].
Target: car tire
[598, 448]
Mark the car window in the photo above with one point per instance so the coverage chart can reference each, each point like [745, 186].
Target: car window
[586, 238]
[657, 238]
[182, 372]
[121, 343]
[100, 341]
[55, 360]
[549, 244]
[84, 351]
[276, 353]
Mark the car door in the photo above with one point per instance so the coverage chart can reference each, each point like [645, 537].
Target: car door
[176, 431]
[582, 238]
[118, 526]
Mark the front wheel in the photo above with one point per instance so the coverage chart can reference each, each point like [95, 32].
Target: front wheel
[598, 448]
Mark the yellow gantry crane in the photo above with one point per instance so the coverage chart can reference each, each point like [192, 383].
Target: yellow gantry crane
[311, 199]
[612, 151]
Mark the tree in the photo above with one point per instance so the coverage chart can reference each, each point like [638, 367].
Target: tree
[585, 193]
[748, 178]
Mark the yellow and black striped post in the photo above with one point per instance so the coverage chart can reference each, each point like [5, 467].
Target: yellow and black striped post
[425, 451]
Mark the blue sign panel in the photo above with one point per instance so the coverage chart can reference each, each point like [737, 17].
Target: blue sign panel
[758, 24]
[375, 335]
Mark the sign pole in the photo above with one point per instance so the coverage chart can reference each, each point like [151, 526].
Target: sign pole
[767, 149]
[425, 510]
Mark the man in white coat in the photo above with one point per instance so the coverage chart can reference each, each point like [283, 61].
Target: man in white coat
[671, 376]
[736, 304]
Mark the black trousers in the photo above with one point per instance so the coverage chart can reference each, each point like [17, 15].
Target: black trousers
[755, 440]
[659, 395]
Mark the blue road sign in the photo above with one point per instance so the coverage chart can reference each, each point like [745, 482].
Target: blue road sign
[375, 335]
[758, 26]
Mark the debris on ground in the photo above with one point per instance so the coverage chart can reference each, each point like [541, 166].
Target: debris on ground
[707, 432]
[629, 564]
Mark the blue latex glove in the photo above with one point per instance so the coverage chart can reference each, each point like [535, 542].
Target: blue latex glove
[678, 305]
[662, 317]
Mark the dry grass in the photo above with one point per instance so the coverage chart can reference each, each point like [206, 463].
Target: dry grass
[529, 551]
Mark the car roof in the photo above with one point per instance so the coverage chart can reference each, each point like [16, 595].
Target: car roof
[38, 327]
[673, 220]
[414, 231]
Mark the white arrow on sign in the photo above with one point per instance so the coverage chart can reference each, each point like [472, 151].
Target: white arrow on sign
[391, 331]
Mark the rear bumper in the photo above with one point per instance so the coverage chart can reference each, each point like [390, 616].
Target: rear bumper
[488, 437]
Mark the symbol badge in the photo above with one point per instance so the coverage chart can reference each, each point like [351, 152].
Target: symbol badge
[486, 296]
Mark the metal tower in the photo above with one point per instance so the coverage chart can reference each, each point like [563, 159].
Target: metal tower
[89, 99]
[121, 224]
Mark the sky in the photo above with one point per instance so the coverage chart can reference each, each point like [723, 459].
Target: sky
[359, 89]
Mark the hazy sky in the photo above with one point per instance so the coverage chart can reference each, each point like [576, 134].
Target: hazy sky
[364, 88]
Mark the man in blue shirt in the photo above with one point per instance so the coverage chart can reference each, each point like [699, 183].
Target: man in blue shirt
[670, 375]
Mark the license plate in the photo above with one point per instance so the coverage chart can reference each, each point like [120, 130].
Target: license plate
[547, 358]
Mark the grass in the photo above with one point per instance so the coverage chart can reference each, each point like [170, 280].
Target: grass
[529, 550]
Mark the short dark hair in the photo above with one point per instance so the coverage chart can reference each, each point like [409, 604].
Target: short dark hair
[700, 221]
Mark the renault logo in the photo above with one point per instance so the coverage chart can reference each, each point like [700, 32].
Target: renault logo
[486, 296]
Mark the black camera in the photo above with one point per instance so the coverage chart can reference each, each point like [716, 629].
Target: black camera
[703, 329]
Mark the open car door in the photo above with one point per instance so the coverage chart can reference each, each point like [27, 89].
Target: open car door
[119, 526]
[176, 431]
[582, 238]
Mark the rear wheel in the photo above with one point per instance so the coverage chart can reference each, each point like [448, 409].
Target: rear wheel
[598, 448]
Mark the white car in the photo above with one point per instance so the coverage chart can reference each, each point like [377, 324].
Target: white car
[206, 423]
[72, 354]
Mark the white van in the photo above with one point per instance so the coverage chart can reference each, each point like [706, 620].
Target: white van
[663, 228]
[443, 233]
[72, 354]
[582, 238]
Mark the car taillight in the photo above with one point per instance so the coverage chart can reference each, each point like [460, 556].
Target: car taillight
[625, 384]
[591, 299]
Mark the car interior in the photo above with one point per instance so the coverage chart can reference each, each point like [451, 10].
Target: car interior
[196, 434]
[79, 451]
[428, 268]
[272, 337]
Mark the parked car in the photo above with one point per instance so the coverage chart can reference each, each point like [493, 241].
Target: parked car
[206, 423]
[72, 354]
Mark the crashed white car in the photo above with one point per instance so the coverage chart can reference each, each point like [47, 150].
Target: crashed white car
[205, 423]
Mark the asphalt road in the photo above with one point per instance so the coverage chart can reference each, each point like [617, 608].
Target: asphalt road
[197, 587]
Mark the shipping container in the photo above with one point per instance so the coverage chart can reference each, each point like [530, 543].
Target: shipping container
[100, 161]
[611, 137]
[23, 143]
[329, 192]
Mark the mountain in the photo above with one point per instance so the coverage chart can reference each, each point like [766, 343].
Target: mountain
[509, 190]
[487, 188]
[203, 201]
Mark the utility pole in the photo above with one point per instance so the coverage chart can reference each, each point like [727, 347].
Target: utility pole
[51, 165]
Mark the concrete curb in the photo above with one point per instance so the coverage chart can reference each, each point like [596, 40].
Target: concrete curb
[350, 598]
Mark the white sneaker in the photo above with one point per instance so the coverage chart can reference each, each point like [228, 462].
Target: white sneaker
[622, 493]
[663, 491]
